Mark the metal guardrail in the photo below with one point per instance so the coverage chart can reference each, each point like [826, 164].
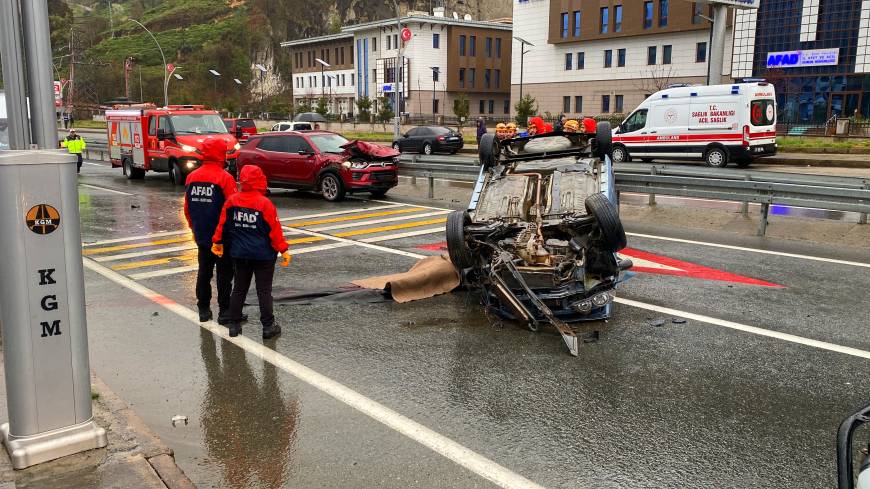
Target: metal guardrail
[97, 148]
[746, 186]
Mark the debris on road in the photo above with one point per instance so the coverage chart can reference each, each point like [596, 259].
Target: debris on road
[657, 322]
[431, 276]
[678, 320]
[179, 418]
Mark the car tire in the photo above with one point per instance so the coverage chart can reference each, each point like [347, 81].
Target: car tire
[457, 247]
[620, 154]
[603, 140]
[427, 148]
[331, 187]
[743, 162]
[716, 157]
[488, 150]
[176, 176]
[454, 151]
[600, 207]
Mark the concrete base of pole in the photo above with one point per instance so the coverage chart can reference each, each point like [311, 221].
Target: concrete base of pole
[26, 451]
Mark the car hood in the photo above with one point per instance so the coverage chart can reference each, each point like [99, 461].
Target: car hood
[196, 140]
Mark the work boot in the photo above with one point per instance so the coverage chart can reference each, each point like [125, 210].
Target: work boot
[271, 332]
[224, 318]
[235, 329]
[205, 315]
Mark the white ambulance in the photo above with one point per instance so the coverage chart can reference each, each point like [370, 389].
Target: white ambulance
[718, 124]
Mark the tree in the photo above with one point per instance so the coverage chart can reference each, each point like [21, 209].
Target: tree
[656, 78]
[304, 105]
[385, 111]
[322, 106]
[526, 107]
[460, 108]
[364, 106]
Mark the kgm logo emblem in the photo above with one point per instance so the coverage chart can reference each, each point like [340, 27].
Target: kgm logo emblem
[42, 219]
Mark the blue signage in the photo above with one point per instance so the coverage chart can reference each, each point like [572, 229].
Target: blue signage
[388, 87]
[807, 57]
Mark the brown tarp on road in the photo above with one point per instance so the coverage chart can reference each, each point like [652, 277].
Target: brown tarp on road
[428, 277]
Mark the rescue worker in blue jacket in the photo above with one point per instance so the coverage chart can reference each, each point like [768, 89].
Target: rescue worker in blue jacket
[208, 188]
[253, 236]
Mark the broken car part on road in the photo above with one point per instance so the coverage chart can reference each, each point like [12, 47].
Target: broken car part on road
[542, 230]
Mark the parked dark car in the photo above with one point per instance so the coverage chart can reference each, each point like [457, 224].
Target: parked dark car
[322, 161]
[242, 129]
[428, 140]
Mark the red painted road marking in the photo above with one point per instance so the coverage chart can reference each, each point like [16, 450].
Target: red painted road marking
[645, 262]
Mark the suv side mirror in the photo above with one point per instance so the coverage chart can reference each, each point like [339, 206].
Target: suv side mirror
[306, 152]
[163, 134]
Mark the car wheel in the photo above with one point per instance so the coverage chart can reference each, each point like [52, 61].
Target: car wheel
[457, 247]
[331, 187]
[603, 140]
[600, 207]
[716, 157]
[488, 150]
[453, 151]
[176, 176]
[620, 155]
[743, 162]
[427, 148]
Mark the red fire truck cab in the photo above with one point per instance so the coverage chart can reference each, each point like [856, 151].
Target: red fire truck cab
[168, 139]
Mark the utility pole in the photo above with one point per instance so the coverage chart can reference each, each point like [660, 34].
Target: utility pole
[37, 49]
[12, 57]
[72, 69]
[523, 52]
[717, 43]
[397, 128]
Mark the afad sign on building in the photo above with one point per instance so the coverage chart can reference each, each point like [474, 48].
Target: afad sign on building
[808, 57]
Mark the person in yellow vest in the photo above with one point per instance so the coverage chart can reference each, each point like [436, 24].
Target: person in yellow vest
[74, 144]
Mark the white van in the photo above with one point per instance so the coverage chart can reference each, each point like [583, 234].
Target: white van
[292, 126]
[717, 123]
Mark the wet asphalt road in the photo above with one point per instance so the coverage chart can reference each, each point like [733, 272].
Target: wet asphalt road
[679, 405]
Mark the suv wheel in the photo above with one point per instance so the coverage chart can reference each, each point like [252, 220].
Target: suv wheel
[457, 247]
[427, 148]
[600, 207]
[716, 157]
[331, 187]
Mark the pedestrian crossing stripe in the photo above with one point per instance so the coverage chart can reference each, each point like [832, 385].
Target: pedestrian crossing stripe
[353, 217]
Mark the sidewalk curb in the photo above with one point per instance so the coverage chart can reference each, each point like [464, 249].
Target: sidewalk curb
[158, 455]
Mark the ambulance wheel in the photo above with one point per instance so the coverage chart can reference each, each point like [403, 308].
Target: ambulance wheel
[743, 162]
[603, 139]
[176, 175]
[716, 157]
[620, 154]
[132, 173]
[331, 187]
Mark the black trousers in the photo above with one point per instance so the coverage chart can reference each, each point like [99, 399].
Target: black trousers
[208, 261]
[79, 162]
[263, 271]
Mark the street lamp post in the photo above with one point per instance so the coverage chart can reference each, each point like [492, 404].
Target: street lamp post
[435, 72]
[397, 130]
[523, 52]
[165, 67]
[323, 65]
[216, 76]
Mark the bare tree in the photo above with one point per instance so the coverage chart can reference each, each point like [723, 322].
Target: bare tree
[655, 78]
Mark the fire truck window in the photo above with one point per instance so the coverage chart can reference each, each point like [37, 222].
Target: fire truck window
[152, 126]
[163, 123]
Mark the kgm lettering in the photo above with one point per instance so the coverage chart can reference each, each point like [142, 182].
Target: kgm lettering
[49, 303]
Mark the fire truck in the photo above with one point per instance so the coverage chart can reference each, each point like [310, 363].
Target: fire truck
[143, 137]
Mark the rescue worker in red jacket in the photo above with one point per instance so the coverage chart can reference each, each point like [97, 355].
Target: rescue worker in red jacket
[208, 188]
[250, 232]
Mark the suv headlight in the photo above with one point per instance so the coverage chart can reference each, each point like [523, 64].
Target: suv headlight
[188, 149]
[358, 164]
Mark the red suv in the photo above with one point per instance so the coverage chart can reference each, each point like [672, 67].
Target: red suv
[242, 129]
[316, 160]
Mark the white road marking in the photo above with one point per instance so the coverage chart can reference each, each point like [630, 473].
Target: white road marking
[136, 238]
[353, 224]
[361, 243]
[94, 164]
[754, 250]
[163, 272]
[436, 442]
[412, 205]
[406, 234]
[104, 189]
[746, 328]
[346, 211]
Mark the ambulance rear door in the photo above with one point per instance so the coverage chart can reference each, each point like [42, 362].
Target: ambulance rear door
[713, 120]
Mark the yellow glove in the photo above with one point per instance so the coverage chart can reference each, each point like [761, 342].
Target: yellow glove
[218, 249]
[286, 259]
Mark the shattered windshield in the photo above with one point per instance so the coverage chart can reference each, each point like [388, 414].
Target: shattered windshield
[198, 124]
[328, 143]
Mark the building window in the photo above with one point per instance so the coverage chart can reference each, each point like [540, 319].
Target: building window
[389, 39]
[605, 19]
[462, 45]
[605, 104]
[374, 44]
[471, 77]
[617, 18]
[647, 15]
[701, 52]
[497, 78]
[620, 57]
[663, 13]
[576, 23]
[481, 106]
[472, 46]
[435, 106]
[618, 103]
[498, 47]
[697, 11]
[564, 25]
[507, 106]
[581, 60]
[351, 80]
[491, 106]
[666, 54]
[436, 41]
[351, 55]
[486, 78]
[651, 55]
[608, 58]
[566, 104]
[568, 61]
[578, 104]
[488, 47]
[461, 77]
[374, 74]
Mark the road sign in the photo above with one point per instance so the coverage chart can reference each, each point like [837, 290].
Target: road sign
[739, 4]
[406, 34]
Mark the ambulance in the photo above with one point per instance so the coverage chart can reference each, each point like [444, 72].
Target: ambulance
[718, 124]
[145, 138]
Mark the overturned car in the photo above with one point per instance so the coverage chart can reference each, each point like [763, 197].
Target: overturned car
[542, 230]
